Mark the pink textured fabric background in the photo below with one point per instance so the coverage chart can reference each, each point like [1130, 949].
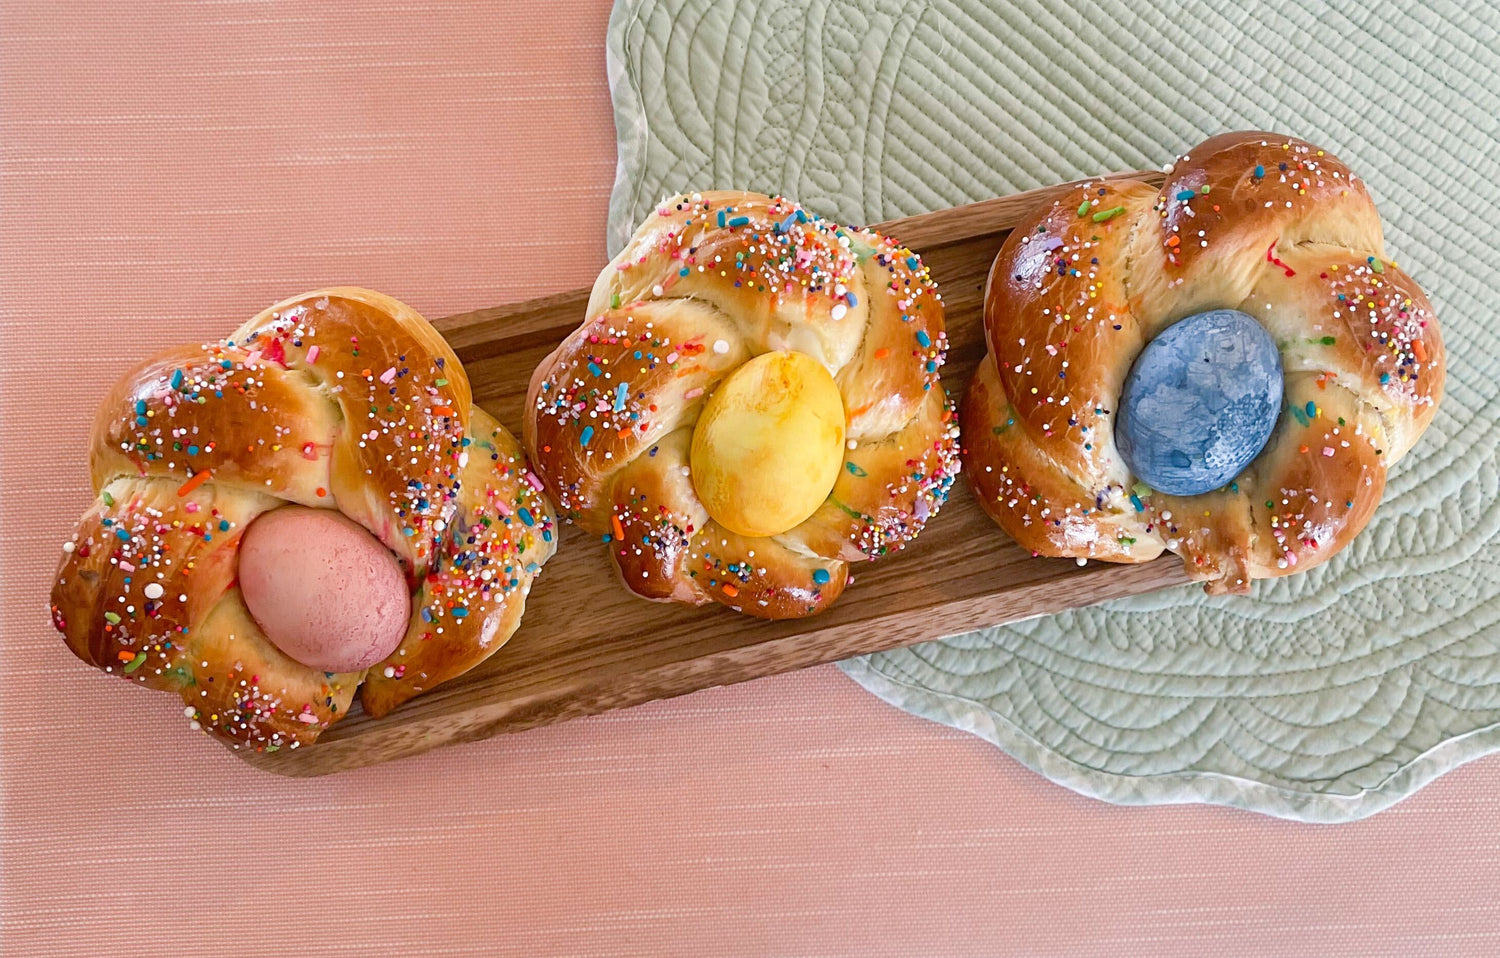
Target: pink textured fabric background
[166, 170]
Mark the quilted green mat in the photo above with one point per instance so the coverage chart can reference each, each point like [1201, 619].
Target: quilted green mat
[1331, 694]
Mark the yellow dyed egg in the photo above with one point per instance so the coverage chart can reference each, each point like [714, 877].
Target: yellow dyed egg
[769, 444]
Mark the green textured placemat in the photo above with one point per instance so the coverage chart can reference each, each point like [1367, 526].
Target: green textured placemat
[1333, 693]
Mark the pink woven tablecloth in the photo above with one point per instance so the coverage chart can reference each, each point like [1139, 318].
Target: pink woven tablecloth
[168, 169]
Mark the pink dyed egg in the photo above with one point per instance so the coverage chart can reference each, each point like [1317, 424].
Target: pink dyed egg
[325, 591]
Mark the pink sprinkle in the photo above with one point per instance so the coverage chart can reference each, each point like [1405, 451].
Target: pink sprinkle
[251, 359]
[1328, 450]
[693, 393]
[191, 507]
[307, 717]
[389, 376]
[126, 567]
[503, 507]
[1051, 350]
[312, 354]
[532, 480]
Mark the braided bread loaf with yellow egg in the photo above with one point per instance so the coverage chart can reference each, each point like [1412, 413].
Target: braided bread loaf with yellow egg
[751, 404]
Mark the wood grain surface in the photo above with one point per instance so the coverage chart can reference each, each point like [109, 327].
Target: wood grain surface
[587, 645]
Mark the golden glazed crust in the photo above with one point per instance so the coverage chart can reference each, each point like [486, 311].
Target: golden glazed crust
[341, 399]
[1266, 224]
[707, 283]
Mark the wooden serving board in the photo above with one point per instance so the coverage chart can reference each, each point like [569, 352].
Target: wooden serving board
[586, 645]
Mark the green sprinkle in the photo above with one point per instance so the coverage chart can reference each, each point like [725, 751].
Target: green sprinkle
[1376, 265]
[1328, 340]
[1083, 208]
[855, 470]
[109, 500]
[1141, 489]
[113, 617]
[1108, 214]
[442, 382]
[137, 662]
[614, 301]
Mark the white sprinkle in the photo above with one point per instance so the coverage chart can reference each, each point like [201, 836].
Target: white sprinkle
[390, 672]
[68, 547]
[1081, 561]
[721, 346]
[657, 290]
[189, 711]
[154, 590]
[686, 471]
[463, 459]
[1166, 515]
[839, 310]
[852, 444]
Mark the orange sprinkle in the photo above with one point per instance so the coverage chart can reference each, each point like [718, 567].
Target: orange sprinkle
[193, 483]
[321, 492]
[1173, 240]
[882, 352]
[442, 410]
[619, 529]
[365, 372]
[730, 590]
[126, 656]
[1302, 449]
[1420, 350]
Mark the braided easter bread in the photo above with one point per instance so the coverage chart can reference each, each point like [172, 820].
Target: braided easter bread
[751, 403]
[1268, 225]
[342, 399]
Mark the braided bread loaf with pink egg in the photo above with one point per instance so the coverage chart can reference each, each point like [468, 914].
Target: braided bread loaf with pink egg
[751, 404]
[1265, 224]
[343, 401]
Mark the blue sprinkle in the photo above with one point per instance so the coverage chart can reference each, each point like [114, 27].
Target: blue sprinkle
[140, 420]
[140, 407]
[225, 364]
[533, 568]
[1186, 195]
[122, 535]
[588, 433]
[1385, 378]
[740, 221]
[546, 535]
[595, 369]
[1312, 409]
[526, 516]
[223, 525]
[637, 354]
[1260, 171]
[426, 615]
[721, 219]
[408, 531]
[1135, 500]
[208, 538]
[684, 271]
[192, 450]
[786, 224]
[621, 391]
[176, 379]
[849, 298]
[932, 365]
[923, 339]
[913, 262]
[820, 576]
[460, 612]
[801, 217]
[465, 442]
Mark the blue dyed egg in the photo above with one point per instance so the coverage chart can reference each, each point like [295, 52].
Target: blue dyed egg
[1200, 402]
